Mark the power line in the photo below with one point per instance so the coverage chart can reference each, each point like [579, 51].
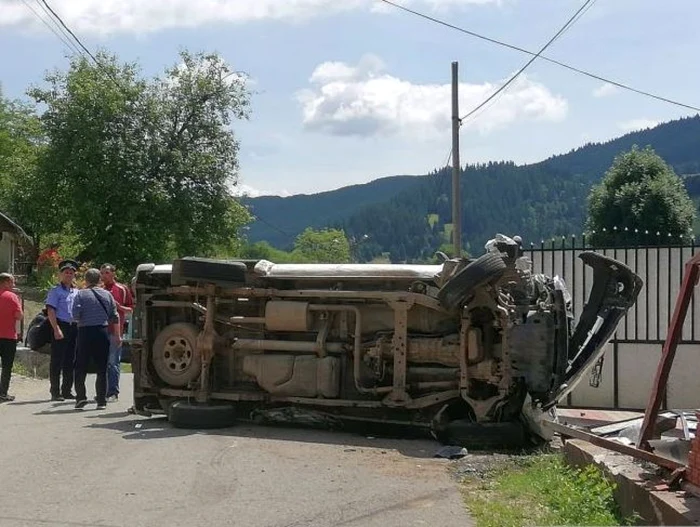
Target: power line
[447, 159]
[583, 12]
[541, 57]
[53, 27]
[512, 79]
[110, 74]
[102, 67]
[46, 4]
[61, 30]
[273, 227]
[66, 42]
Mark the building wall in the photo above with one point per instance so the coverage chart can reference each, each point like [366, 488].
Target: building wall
[7, 252]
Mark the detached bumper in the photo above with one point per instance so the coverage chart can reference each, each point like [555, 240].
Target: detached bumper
[615, 289]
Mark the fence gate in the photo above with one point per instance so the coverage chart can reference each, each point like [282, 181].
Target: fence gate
[626, 377]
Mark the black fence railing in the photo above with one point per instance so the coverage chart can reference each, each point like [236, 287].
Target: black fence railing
[660, 266]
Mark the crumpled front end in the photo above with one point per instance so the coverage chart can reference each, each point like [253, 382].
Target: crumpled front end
[523, 354]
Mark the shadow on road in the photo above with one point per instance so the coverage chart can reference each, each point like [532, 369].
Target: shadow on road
[68, 407]
[144, 428]
[61, 411]
[25, 403]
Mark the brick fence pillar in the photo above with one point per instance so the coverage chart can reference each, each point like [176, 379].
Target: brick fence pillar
[693, 472]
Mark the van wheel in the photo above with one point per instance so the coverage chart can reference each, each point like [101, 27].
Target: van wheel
[488, 268]
[506, 435]
[175, 356]
[186, 414]
[208, 270]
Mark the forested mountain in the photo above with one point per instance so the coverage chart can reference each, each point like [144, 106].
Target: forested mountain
[496, 197]
[677, 142]
[409, 217]
[280, 219]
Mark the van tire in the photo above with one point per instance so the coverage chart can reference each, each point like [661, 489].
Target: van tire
[485, 436]
[208, 270]
[488, 268]
[192, 415]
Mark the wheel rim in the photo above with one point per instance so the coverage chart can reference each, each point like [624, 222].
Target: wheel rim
[177, 354]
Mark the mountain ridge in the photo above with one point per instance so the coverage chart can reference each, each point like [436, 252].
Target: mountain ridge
[407, 215]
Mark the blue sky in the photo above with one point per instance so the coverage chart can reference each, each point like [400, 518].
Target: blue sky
[347, 91]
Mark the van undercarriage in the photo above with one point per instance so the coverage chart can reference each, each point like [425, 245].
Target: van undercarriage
[473, 351]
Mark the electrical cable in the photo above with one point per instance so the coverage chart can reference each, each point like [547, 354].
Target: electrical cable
[513, 77]
[580, 71]
[66, 42]
[60, 20]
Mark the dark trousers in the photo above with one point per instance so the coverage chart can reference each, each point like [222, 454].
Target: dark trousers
[63, 360]
[8, 348]
[93, 345]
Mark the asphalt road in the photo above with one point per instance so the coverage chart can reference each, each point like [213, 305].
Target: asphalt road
[63, 467]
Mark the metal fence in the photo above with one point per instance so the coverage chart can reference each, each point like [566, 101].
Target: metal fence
[645, 326]
[661, 268]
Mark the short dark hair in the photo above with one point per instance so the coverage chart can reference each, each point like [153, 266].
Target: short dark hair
[107, 267]
[92, 276]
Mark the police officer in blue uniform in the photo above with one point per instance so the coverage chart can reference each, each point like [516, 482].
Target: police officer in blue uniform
[59, 306]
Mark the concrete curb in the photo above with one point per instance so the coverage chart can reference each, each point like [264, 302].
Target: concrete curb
[37, 364]
[639, 489]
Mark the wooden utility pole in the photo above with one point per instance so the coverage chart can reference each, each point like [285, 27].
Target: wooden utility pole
[456, 201]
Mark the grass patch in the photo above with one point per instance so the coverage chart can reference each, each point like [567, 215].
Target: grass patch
[542, 490]
[20, 369]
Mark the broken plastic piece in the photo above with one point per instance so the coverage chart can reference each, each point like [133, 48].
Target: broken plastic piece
[451, 452]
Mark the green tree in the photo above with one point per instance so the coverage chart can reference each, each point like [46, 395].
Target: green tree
[143, 169]
[639, 192]
[21, 142]
[323, 246]
[265, 251]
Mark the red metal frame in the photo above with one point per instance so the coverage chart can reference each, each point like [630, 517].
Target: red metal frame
[675, 330]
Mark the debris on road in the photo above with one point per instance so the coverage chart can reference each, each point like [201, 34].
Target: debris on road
[451, 452]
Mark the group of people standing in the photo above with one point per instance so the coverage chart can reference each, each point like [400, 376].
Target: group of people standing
[87, 326]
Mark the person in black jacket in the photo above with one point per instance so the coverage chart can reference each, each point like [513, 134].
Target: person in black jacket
[95, 312]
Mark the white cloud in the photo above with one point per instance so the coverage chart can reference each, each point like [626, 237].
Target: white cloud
[251, 192]
[605, 90]
[144, 16]
[364, 100]
[436, 6]
[637, 124]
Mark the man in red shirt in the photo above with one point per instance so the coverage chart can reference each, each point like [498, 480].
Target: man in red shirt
[125, 303]
[10, 313]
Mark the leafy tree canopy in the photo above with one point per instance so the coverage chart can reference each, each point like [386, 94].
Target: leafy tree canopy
[21, 141]
[323, 246]
[311, 246]
[140, 169]
[639, 193]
